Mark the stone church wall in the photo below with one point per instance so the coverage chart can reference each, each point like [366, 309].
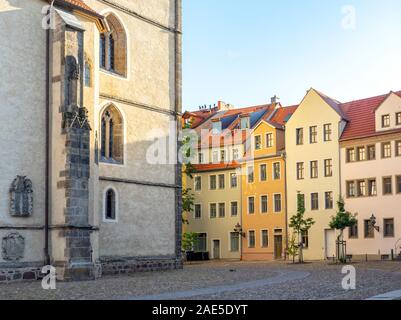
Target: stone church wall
[22, 123]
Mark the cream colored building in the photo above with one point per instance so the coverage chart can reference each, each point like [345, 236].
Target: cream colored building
[312, 162]
[371, 176]
[76, 189]
[217, 210]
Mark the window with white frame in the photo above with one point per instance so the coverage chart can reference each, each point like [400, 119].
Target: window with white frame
[265, 238]
[269, 140]
[251, 239]
[264, 204]
[234, 209]
[198, 211]
[277, 203]
[251, 205]
[234, 241]
[198, 183]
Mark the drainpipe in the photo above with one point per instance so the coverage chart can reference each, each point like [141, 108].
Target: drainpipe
[47, 174]
[177, 109]
[286, 203]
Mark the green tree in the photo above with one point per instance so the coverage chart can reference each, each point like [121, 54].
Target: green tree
[300, 225]
[187, 203]
[341, 221]
[293, 248]
[188, 241]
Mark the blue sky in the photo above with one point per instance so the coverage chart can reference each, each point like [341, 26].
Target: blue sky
[245, 51]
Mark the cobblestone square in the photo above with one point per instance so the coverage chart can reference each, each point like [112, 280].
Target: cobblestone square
[225, 280]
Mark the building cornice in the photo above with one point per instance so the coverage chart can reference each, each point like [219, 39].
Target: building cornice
[140, 17]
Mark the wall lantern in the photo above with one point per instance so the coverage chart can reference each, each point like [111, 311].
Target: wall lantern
[372, 223]
[238, 229]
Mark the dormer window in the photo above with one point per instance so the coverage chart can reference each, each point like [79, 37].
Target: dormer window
[398, 119]
[386, 121]
[216, 127]
[245, 123]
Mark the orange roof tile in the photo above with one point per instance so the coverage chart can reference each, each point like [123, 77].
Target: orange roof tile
[216, 166]
[79, 4]
[361, 117]
[282, 115]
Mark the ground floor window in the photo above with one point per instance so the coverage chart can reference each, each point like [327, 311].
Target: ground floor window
[265, 239]
[200, 244]
[251, 239]
[305, 239]
[110, 205]
[353, 231]
[388, 228]
[234, 241]
[369, 231]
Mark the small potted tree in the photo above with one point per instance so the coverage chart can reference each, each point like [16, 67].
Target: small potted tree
[341, 221]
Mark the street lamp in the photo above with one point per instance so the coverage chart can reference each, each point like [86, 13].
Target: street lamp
[373, 223]
[238, 229]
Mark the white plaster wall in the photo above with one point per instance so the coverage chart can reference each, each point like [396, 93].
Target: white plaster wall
[146, 223]
[161, 11]
[151, 74]
[141, 127]
[382, 206]
[22, 120]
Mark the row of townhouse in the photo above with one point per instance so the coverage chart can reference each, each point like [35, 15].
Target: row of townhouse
[251, 163]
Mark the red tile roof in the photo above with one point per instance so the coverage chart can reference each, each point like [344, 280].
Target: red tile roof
[282, 114]
[79, 4]
[216, 166]
[231, 135]
[361, 117]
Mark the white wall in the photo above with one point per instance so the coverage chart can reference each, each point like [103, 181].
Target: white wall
[22, 120]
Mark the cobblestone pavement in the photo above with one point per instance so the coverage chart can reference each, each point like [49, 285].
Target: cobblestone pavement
[225, 280]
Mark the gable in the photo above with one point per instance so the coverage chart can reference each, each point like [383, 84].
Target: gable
[390, 107]
[314, 109]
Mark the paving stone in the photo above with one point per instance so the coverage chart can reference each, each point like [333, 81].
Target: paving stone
[216, 281]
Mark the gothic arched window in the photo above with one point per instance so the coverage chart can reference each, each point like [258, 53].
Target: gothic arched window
[110, 203]
[113, 47]
[103, 51]
[112, 136]
[87, 74]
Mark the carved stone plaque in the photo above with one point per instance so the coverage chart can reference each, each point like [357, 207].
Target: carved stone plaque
[21, 197]
[13, 247]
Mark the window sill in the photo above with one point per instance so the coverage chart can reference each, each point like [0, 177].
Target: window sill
[111, 161]
[113, 73]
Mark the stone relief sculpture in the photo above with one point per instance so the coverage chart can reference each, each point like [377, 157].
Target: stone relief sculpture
[13, 247]
[21, 197]
[73, 76]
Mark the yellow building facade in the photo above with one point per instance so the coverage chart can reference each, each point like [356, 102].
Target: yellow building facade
[264, 190]
[217, 210]
[313, 160]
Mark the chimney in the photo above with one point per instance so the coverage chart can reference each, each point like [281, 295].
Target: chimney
[222, 106]
[274, 99]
